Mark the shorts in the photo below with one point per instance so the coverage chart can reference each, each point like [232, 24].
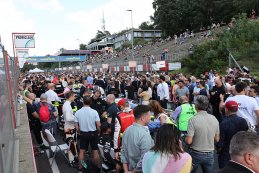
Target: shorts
[87, 138]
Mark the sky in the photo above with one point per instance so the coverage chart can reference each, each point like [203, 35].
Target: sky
[66, 23]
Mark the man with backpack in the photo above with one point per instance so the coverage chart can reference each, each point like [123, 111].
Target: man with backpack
[47, 114]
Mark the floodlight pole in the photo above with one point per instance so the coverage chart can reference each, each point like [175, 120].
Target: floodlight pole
[79, 52]
[132, 36]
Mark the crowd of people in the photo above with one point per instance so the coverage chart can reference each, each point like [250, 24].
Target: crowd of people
[150, 123]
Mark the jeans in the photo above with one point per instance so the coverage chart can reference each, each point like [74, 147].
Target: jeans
[164, 103]
[205, 159]
[36, 128]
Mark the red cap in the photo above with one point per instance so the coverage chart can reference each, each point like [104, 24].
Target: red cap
[232, 106]
[121, 102]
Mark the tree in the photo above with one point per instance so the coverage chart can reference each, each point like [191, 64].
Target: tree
[175, 16]
[99, 35]
[83, 46]
[27, 67]
[146, 26]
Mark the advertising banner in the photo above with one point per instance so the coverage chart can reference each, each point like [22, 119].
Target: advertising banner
[154, 67]
[140, 68]
[22, 53]
[132, 63]
[174, 66]
[89, 67]
[78, 67]
[105, 66]
[160, 64]
[55, 58]
[24, 40]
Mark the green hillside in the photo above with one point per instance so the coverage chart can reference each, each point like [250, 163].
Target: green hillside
[243, 42]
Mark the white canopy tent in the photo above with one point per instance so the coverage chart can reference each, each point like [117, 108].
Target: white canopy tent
[36, 70]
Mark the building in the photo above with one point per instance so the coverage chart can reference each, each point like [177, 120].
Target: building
[147, 35]
[116, 41]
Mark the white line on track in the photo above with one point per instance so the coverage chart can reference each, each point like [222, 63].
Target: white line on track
[54, 165]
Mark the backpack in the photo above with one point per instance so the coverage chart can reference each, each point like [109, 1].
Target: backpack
[44, 113]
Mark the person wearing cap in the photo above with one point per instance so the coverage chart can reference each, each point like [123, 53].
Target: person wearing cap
[228, 128]
[126, 117]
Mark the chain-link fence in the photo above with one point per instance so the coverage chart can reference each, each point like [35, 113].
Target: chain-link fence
[8, 89]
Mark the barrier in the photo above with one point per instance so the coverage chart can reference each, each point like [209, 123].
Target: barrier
[9, 74]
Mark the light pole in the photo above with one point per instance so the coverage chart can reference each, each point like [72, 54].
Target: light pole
[132, 36]
[79, 51]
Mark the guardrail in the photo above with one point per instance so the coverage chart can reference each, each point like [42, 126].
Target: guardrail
[9, 74]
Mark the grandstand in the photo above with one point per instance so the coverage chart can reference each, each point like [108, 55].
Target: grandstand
[175, 52]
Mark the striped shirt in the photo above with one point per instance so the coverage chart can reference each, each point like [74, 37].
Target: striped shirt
[154, 162]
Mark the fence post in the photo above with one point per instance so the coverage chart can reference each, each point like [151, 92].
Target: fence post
[9, 88]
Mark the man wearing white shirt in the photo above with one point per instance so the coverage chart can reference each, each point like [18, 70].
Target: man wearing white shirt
[52, 95]
[69, 119]
[163, 92]
[247, 106]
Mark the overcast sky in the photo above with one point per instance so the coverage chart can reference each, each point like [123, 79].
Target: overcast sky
[59, 23]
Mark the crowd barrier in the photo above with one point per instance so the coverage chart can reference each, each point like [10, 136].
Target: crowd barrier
[9, 76]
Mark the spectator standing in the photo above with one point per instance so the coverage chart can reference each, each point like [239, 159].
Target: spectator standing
[136, 84]
[254, 92]
[34, 122]
[83, 88]
[126, 117]
[136, 140]
[107, 142]
[144, 95]
[202, 131]
[90, 79]
[215, 93]
[163, 92]
[51, 94]
[112, 111]
[204, 89]
[100, 82]
[181, 91]
[248, 107]
[158, 112]
[228, 128]
[113, 90]
[87, 122]
[98, 104]
[183, 113]
[68, 87]
[129, 90]
[167, 155]
[243, 149]
[196, 89]
[69, 119]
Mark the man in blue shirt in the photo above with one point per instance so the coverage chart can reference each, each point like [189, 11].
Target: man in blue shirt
[228, 128]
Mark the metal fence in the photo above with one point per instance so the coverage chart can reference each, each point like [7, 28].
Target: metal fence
[8, 88]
